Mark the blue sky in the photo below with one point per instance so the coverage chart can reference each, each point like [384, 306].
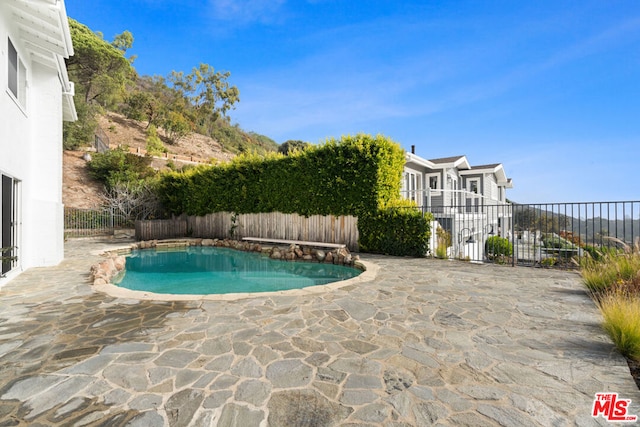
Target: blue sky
[548, 88]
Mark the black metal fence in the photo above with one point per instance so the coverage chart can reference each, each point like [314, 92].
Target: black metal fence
[546, 234]
[93, 222]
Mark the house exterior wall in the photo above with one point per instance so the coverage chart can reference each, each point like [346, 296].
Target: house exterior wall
[43, 209]
[31, 154]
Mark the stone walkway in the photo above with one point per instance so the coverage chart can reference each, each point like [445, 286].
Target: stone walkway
[428, 342]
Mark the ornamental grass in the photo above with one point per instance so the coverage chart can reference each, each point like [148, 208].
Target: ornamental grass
[614, 282]
[620, 310]
[613, 271]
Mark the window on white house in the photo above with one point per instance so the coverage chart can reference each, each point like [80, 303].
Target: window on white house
[412, 185]
[433, 182]
[13, 70]
[473, 186]
[17, 76]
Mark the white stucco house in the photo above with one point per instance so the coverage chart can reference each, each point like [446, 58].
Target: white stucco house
[469, 202]
[35, 97]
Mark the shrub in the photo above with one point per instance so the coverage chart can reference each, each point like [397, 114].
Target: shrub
[154, 147]
[553, 241]
[133, 200]
[621, 320]
[397, 231]
[497, 246]
[114, 166]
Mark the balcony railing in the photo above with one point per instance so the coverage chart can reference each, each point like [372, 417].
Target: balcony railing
[451, 201]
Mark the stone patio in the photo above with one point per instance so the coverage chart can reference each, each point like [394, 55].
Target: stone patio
[427, 342]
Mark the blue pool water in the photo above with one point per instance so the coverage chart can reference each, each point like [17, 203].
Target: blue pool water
[210, 270]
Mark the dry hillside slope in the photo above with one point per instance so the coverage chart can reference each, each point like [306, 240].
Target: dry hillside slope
[79, 190]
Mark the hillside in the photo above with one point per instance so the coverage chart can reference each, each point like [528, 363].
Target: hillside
[80, 190]
[128, 132]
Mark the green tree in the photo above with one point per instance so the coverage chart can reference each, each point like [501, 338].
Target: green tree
[176, 126]
[123, 42]
[137, 104]
[208, 92]
[98, 68]
[292, 145]
[79, 133]
[99, 71]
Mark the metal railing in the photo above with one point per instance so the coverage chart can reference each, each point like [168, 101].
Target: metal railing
[450, 201]
[101, 142]
[93, 222]
[547, 234]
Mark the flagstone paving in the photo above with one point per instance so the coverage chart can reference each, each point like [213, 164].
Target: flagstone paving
[427, 342]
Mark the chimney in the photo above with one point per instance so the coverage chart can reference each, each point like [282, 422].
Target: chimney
[413, 149]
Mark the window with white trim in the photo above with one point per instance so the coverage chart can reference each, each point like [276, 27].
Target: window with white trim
[474, 186]
[433, 182]
[412, 186]
[17, 76]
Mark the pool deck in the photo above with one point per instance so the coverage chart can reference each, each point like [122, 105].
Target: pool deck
[427, 342]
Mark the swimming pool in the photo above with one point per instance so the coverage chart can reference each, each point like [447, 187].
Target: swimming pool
[199, 270]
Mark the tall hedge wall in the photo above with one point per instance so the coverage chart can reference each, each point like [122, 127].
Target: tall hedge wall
[357, 175]
[395, 230]
[354, 175]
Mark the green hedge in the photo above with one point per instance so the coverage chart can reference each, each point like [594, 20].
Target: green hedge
[395, 231]
[348, 177]
[357, 175]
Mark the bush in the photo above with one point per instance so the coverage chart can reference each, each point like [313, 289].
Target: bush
[497, 246]
[621, 320]
[115, 166]
[154, 147]
[395, 231]
[553, 241]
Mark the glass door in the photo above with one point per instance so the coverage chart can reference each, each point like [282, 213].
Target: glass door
[8, 230]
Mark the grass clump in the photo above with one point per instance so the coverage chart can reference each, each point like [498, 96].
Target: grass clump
[444, 241]
[621, 320]
[613, 270]
[613, 278]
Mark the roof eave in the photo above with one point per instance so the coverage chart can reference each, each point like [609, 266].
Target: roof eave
[409, 157]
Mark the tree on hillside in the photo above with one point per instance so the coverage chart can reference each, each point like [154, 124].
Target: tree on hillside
[176, 105]
[208, 92]
[292, 145]
[149, 99]
[99, 68]
[99, 71]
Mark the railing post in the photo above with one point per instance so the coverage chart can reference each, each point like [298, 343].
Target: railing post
[514, 255]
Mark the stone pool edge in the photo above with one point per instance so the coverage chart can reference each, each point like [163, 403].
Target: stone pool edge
[369, 273]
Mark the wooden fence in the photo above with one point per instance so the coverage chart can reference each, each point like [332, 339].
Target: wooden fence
[274, 225]
[161, 229]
